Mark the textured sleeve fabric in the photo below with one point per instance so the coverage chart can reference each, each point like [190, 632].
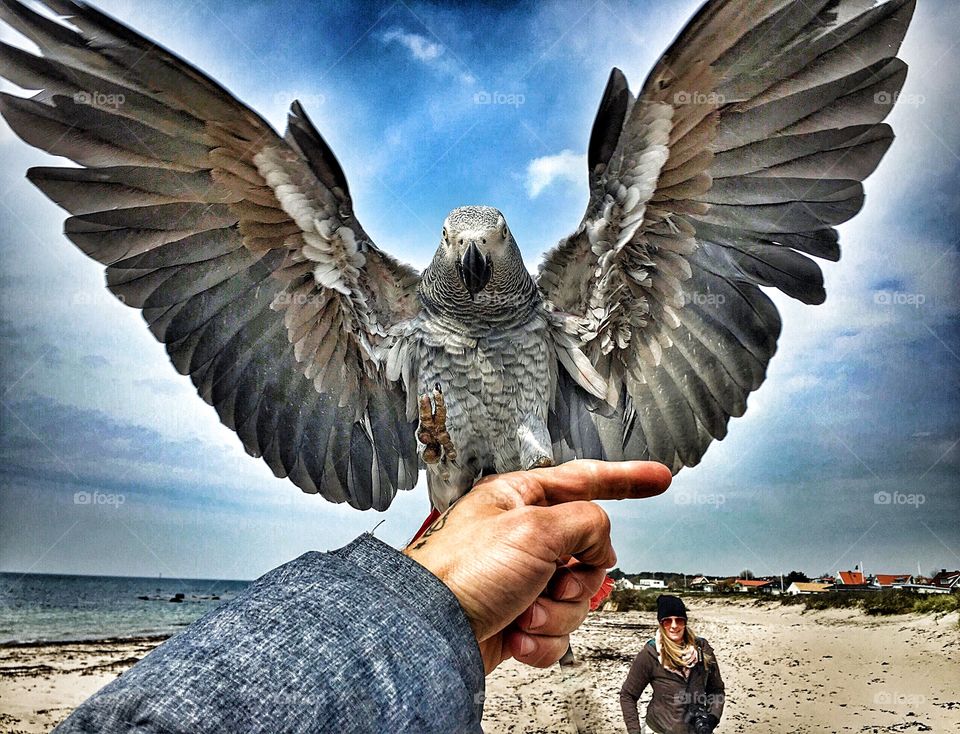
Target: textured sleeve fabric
[716, 695]
[362, 639]
[637, 680]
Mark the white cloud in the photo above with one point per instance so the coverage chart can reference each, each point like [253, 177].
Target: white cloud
[421, 47]
[564, 166]
[428, 52]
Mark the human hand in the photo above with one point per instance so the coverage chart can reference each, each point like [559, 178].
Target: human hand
[524, 552]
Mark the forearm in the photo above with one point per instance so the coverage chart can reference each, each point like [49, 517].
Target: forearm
[716, 693]
[631, 716]
[716, 700]
[362, 639]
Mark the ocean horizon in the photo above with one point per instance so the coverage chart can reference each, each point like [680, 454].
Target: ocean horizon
[70, 608]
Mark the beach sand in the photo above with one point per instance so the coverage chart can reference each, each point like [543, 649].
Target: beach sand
[41, 684]
[785, 671]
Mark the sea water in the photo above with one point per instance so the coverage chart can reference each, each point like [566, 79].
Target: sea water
[48, 607]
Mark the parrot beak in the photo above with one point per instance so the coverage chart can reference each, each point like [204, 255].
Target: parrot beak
[475, 269]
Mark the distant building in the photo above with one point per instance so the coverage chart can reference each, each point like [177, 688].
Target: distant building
[923, 588]
[649, 584]
[807, 587]
[851, 578]
[702, 583]
[623, 584]
[754, 585]
[852, 581]
[947, 580]
[892, 580]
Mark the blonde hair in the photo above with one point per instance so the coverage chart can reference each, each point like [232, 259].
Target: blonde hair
[671, 651]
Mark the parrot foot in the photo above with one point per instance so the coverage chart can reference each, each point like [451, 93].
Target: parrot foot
[432, 432]
[542, 462]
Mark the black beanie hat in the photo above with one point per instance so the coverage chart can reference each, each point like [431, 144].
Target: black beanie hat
[670, 606]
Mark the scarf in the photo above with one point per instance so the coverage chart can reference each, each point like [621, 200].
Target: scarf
[689, 655]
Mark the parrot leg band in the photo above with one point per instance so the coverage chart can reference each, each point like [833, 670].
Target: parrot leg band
[432, 432]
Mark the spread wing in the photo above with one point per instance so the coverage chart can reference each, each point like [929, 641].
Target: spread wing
[746, 145]
[240, 247]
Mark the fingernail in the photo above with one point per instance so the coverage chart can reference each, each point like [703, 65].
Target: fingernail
[527, 645]
[538, 616]
[572, 588]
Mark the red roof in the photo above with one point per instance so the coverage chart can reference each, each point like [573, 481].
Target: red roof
[754, 583]
[852, 578]
[888, 579]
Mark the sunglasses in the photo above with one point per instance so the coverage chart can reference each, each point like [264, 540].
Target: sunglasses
[673, 621]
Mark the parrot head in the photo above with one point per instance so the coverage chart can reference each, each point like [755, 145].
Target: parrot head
[477, 270]
[474, 238]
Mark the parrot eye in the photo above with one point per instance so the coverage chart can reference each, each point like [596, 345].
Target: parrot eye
[503, 232]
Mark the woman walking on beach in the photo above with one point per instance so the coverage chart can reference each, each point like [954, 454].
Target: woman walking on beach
[683, 672]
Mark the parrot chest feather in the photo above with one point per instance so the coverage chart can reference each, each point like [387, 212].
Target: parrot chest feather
[491, 385]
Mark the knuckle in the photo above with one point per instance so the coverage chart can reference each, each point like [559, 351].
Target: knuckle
[600, 520]
[525, 486]
[524, 524]
[590, 467]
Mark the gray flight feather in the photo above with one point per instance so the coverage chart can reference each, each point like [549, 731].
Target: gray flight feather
[746, 145]
[644, 332]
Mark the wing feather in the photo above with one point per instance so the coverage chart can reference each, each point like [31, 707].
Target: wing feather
[240, 246]
[746, 146]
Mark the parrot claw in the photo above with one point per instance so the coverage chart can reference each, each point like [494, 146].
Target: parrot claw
[432, 432]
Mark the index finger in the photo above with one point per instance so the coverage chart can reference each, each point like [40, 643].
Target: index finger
[587, 479]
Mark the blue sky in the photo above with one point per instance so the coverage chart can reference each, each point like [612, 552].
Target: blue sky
[428, 108]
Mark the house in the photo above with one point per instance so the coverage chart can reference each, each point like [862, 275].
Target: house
[947, 580]
[702, 583]
[754, 585]
[807, 587]
[623, 583]
[923, 588]
[891, 580]
[649, 584]
[852, 581]
[851, 578]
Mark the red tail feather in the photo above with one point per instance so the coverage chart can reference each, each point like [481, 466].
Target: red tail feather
[434, 514]
[605, 588]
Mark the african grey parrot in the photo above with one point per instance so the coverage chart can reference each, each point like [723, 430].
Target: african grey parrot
[645, 330]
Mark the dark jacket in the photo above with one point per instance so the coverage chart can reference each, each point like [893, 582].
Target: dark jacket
[360, 640]
[671, 692]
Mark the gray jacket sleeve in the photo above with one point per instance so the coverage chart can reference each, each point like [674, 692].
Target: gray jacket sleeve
[362, 639]
[637, 680]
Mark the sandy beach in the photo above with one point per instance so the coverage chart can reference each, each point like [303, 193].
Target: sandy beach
[785, 671]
